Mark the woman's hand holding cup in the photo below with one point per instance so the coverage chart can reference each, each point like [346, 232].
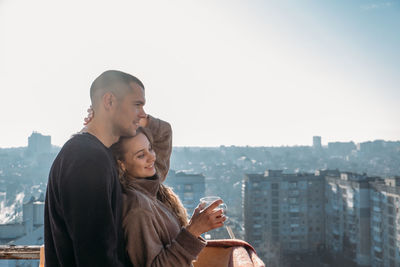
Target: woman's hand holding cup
[206, 218]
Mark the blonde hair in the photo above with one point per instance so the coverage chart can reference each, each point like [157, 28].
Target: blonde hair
[165, 194]
[173, 203]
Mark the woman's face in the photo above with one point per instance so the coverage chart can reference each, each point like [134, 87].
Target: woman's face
[139, 157]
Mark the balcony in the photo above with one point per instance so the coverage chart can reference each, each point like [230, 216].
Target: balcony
[377, 238]
[294, 209]
[22, 253]
[375, 198]
[376, 229]
[377, 218]
[377, 249]
[216, 252]
[335, 231]
[376, 209]
[353, 239]
[257, 226]
[293, 193]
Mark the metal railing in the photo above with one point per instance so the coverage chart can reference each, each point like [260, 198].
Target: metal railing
[12, 252]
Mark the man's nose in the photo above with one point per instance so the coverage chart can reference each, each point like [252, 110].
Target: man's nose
[142, 113]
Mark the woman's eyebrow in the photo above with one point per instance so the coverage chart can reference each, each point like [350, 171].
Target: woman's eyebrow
[138, 151]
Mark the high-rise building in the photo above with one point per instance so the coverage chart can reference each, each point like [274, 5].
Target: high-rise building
[189, 187]
[317, 142]
[348, 217]
[385, 222]
[283, 212]
[38, 143]
[341, 148]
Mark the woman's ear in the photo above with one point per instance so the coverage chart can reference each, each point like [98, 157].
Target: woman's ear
[121, 166]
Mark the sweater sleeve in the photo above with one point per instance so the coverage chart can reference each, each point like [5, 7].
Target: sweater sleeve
[86, 201]
[161, 135]
[146, 249]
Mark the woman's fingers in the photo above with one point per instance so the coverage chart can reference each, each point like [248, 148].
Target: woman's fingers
[213, 206]
[89, 116]
[205, 219]
[217, 212]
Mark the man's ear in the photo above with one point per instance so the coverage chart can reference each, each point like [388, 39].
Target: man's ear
[108, 100]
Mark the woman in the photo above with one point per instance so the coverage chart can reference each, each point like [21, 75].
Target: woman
[155, 226]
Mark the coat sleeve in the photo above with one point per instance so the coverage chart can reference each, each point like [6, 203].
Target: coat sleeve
[145, 247]
[161, 138]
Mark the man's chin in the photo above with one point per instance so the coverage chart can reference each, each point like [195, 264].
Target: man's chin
[130, 133]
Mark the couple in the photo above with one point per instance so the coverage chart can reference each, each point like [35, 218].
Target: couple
[105, 201]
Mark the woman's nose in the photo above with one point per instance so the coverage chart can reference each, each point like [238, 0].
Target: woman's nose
[152, 156]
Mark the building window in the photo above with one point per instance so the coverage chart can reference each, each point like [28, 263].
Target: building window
[390, 221]
[292, 185]
[188, 187]
[188, 195]
[390, 210]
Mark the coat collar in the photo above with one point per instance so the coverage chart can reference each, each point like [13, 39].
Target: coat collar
[148, 186]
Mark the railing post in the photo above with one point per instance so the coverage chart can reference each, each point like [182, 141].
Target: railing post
[41, 263]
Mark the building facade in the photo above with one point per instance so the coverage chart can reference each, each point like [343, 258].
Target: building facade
[385, 222]
[28, 232]
[38, 143]
[189, 187]
[348, 217]
[283, 212]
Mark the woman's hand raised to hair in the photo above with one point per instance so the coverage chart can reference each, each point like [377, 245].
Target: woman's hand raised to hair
[204, 220]
[89, 116]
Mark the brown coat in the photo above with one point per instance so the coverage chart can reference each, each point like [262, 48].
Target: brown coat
[152, 233]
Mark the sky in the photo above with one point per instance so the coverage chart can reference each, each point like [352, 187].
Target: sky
[257, 73]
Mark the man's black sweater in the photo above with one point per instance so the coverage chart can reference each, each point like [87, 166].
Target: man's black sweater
[83, 207]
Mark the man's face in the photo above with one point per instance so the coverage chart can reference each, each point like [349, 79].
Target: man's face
[128, 111]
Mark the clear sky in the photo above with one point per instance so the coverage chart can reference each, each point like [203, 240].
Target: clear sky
[221, 72]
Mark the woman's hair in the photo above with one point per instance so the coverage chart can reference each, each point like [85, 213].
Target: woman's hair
[173, 203]
[164, 194]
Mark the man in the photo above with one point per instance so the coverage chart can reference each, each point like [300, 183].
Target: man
[83, 199]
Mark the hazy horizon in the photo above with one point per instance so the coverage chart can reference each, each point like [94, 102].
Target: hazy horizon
[324, 144]
[259, 73]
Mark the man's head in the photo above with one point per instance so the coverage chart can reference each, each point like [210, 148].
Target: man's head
[117, 100]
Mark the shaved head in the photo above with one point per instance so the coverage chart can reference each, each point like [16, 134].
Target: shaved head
[114, 81]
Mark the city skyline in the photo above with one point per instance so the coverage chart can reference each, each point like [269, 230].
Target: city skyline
[312, 143]
[226, 73]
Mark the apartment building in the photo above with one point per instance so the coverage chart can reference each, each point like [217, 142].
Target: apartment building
[189, 187]
[385, 222]
[38, 143]
[28, 232]
[348, 217]
[283, 212]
